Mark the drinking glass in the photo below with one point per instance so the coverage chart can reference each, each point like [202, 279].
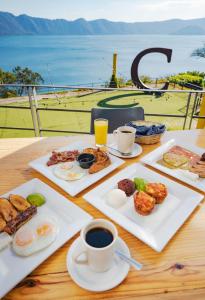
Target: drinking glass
[101, 129]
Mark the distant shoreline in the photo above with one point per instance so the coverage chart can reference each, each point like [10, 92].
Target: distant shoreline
[24, 24]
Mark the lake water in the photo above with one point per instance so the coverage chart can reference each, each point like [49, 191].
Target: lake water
[88, 59]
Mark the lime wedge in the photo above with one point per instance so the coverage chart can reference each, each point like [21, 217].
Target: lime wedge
[36, 199]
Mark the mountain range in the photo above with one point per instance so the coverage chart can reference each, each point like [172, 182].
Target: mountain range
[27, 25]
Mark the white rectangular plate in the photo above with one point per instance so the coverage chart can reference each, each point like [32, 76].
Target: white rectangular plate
[74, 187]
[70, 218]
[152, 158]
[157, 228]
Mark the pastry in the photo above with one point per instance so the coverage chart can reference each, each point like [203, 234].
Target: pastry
[144, 203]
[156, 190]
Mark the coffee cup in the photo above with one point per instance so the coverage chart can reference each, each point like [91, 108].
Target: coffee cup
[98, 239]
[124, 137]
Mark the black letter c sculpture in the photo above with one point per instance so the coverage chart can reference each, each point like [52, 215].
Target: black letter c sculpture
[135, 65]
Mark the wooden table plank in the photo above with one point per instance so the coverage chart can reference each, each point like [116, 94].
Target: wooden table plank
[176, 273]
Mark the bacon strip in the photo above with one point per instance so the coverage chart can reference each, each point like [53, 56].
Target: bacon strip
[13, 225]
[64, 156]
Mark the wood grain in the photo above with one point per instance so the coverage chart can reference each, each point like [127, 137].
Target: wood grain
[176, 273]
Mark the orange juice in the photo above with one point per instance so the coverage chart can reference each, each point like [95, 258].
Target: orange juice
[101, 129]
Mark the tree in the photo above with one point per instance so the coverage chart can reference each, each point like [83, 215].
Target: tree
[199, 52]
[26, 76]
[7, 77]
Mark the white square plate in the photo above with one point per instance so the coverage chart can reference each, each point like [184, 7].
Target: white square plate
[70, 218]
[74, 187]
[157, 228]
[153, 157]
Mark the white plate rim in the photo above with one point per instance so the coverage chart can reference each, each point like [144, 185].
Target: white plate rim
[74, 189]
[132, 227]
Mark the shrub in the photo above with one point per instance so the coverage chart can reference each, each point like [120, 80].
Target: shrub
[184, 78]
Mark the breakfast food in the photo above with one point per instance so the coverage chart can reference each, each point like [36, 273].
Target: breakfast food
[198, 169]
[67, 172]
[116, 198]
[127, 186]
[16, 211]
[140, 184]
[180, 158]
[63, 156]
[36, 235]
[14, 224]
[202, 157]
[2, 223]
[7, 211]
[156, 190]
[19, 202]
[102, 160]
[36, 199]
[144, 203]
[146, 195]
[174, 160]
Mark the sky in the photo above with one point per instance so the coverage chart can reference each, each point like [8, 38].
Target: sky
[115, 10]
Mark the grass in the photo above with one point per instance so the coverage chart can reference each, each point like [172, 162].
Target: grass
[168, 103]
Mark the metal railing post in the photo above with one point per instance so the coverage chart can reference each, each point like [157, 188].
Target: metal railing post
[187, 110]
[193, 110]
[33, 112]
[36, 109]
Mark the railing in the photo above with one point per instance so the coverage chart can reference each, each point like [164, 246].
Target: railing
[193, 95]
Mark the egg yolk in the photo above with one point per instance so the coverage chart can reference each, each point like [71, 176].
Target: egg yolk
[24, 238]
[44, 229]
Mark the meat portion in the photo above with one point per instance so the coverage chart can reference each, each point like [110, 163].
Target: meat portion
[13, 225]
[2, 224]
[7, 211]
[64, 156]
[193, 157]
[19, 202]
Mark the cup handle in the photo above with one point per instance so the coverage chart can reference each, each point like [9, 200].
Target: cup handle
[115, 132]
[76, 256]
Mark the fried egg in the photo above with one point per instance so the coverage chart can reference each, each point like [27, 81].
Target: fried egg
[35, 235]
[68, 171]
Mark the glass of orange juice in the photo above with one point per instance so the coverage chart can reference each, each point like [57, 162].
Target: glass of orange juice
[101, 129]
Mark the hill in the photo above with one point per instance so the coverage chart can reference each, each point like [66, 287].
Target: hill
[24, 24]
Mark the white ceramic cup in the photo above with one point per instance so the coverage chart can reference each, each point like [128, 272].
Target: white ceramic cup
[98, 259]
[124, 138]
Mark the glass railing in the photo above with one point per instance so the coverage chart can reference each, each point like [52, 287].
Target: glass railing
[46, 110]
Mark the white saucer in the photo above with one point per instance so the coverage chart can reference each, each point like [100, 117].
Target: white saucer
[137, 150]
[98, 282]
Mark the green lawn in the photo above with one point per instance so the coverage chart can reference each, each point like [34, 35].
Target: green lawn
[169, 103]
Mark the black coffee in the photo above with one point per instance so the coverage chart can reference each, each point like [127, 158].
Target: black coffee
[126, 131]
[99, 237]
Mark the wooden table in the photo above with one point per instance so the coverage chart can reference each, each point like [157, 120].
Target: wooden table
[176, 273]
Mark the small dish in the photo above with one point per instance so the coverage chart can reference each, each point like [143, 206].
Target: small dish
[86, 160]
[98, 282]
[137, 150]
